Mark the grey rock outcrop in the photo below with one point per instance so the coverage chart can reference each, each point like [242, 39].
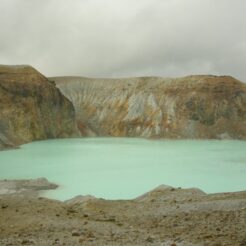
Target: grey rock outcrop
[201, 106]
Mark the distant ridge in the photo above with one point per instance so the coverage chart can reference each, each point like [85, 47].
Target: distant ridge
[195, 106]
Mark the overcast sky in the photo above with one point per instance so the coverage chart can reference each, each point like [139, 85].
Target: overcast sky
[122, 38]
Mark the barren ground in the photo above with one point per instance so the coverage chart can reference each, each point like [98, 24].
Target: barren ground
[164, 216]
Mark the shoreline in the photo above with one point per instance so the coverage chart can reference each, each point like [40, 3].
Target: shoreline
[163, 216]
[14, 147]
[36, 187]
[24, 187]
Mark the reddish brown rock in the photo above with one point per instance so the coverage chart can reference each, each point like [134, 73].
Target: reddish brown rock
[32, 108]
[202, 106]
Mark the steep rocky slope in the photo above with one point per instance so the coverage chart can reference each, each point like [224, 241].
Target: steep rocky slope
[188, 107]
[32, 108]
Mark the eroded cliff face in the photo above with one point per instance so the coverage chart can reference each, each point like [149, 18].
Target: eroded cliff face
[32, 108]
[188, 107]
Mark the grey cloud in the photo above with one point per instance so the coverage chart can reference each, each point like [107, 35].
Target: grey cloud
[122, 38]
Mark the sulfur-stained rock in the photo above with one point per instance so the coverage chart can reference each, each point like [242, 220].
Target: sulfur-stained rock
[32, 108]
[203, 106]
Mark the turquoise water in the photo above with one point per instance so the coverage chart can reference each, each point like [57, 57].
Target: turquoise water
[122, 168]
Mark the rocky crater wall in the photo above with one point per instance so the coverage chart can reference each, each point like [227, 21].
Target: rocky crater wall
[189, 107]
[32, 108]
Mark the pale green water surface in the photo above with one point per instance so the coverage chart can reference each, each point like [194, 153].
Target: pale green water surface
[122, 168]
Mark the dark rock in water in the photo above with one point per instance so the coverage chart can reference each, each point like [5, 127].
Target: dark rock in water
[32, 108]
[201, 106]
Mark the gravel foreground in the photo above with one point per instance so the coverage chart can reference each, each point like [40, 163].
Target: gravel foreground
[165, 216]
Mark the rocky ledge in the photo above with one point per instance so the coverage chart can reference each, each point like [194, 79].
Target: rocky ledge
[202, 106]
[164, 216]
[25, 187]
[32, 108]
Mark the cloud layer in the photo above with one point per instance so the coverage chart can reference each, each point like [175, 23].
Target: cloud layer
[121, 38]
